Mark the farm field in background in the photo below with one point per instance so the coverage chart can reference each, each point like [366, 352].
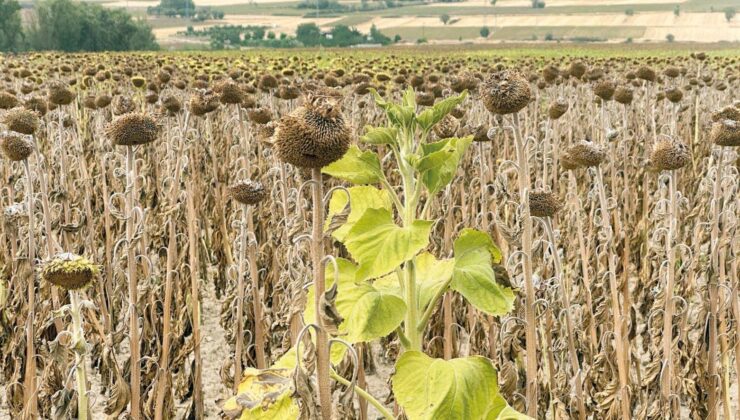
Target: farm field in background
[491, 231]
[616, 21]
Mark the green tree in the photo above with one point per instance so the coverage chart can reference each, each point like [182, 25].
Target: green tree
[70, 26]
[183, 7]
[258, 33]
[11, 34]
[445, 18]
[670, 38]
[729, 13]
[484, 32]
[308, 34]
[677, 10]
[379, 37]
[344, 36]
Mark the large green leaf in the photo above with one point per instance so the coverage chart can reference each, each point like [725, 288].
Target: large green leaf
[438, 164]
[379, 245]
[501, 410]
[437, 389]
[356, 166]
[409, 98]
[474, 277]
[264, 395]
[361, 198]
[433, 115]
[380, 135]
[368, 312]
[398, 114]
[431, 276]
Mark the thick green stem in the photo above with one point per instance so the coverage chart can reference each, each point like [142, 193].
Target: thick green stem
[412, 313]
[411, 196]
[78, 340]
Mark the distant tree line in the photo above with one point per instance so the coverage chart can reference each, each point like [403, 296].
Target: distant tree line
[307, 35]
[185, 9]
[310, 35]
[69, 26]
[332, 7]
[234, 36]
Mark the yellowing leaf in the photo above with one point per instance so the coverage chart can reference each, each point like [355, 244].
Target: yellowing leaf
[379, 245]
[356, 166]
[439, 162]
[431, 276]
[431, 116]
[380, 135]
[264, 395]
[437, 389]
[361, 198]
[368, 312]
[474, 277]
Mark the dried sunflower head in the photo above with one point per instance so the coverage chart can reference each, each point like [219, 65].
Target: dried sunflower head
[21, 120]
[543, 203]
[584, 154]
[69, 271]
[727, 113]
[557, 109]
[248, 192]
[7, 100]
[604, 89]
[229, 91]
[203, 102]
[15, 147]
[726, 133]
[669, 155]
[506, 92]
[314, 135]
[132, 129]
[59, 93]
[122, 105]
[577, 69]
[102, 101]
[624, 95]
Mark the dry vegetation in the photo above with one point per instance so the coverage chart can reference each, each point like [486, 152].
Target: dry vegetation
[142, 192]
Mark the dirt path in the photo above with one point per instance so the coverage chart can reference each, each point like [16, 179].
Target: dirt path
[214, 351]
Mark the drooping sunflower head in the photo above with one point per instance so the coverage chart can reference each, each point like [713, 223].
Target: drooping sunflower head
[669, 155]
[132, 129]
[314, 135]
[69, 271]
[21, 120]
[248, 192]
[543, 203]
[506, 92]
[726, 133]
[15, 147]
